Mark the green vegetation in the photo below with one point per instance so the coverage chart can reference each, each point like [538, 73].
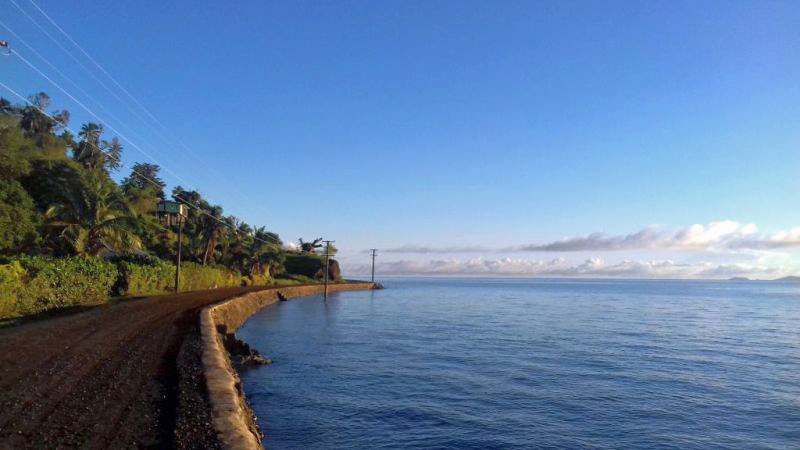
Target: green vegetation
[35, 284]
[72, 235]
[307, 264]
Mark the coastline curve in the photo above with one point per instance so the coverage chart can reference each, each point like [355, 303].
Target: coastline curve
[230, 414]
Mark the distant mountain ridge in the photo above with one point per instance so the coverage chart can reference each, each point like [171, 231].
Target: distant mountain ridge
[789, 279]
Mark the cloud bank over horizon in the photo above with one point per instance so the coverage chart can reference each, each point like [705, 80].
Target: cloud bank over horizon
[726, 235]
[560, 267]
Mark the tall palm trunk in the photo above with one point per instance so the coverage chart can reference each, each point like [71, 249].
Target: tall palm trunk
[211, 243]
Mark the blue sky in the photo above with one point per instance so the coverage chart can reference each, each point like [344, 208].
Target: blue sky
[428, 126]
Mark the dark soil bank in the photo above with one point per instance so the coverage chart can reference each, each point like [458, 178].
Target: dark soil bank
[125, 375]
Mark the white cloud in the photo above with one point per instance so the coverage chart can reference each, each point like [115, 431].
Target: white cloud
[726, 235]
[424, 249]
[560, 267]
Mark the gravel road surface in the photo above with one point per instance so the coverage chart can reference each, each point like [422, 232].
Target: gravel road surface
[122, 375]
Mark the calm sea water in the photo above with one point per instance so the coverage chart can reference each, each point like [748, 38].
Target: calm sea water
[499, 363]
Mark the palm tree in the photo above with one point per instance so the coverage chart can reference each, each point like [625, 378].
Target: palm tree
[310, 247]
[193, 228]
[229, 237]
[236, 249]
[265, 253]
[33, 120]
[212, 225]
[6, 107]
[113, 154]
[93, 218]
[87, 152]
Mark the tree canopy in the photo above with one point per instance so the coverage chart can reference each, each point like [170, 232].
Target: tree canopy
[58, 198]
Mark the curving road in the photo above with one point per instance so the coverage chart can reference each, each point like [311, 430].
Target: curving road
[123, 375]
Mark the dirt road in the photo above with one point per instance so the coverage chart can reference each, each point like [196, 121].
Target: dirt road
[123, 375]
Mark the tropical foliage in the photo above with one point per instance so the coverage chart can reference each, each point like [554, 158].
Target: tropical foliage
[60, 204]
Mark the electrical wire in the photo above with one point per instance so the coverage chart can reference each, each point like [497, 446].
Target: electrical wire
[145, 177]
[104, 85]
[71, 81]
[134, 99]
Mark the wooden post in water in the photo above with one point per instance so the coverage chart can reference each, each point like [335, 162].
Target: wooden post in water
[373, 264]
[327, 262]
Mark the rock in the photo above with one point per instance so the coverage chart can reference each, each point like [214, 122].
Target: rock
[241, 354]
[260, 360]
[334, 271]
[244, 361]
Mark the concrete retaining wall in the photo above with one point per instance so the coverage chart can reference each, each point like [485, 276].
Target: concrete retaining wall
[229, 413]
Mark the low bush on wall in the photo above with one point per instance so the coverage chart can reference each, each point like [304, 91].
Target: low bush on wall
[305, 264]
[195, 276]
[155, 276]
[34, 284]
[12, 285]
[257, 280]
[145, 278]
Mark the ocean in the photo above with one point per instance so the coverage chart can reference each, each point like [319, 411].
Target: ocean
[445, 363]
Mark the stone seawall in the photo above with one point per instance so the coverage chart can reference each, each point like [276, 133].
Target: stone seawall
[230, 414]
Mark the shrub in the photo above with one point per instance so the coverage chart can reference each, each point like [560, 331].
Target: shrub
[195, 277]
[11, 285]
[260, 280]
[285, 282]
[71, 281]
[256, 280]
[17, 218]
[35, 284]
[303, 264]
[152, 277]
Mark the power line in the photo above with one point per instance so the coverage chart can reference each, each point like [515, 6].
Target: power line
[168, 135]
[74, 58]
[133, 144]
[145, 177]
[161, 135]
[113, 129]
[104, 85]
[92, 60]
[63, 75]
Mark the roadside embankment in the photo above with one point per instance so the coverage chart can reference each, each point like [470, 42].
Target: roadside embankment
[230, 414]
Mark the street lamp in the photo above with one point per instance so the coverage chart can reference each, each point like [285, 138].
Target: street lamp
[172, 213]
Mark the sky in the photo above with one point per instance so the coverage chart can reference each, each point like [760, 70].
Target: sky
[552, 138]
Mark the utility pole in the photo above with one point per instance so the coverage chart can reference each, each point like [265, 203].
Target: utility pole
[327, 262]
[167, 210]
[178, 265]
[373, 264]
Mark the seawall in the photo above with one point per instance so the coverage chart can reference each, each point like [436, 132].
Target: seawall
[230, 414]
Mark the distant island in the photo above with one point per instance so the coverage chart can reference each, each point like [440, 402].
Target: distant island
[789, 279]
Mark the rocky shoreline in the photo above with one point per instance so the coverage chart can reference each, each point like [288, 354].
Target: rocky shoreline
[222, 354]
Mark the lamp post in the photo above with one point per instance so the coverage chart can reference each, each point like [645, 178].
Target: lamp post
[168, 211]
